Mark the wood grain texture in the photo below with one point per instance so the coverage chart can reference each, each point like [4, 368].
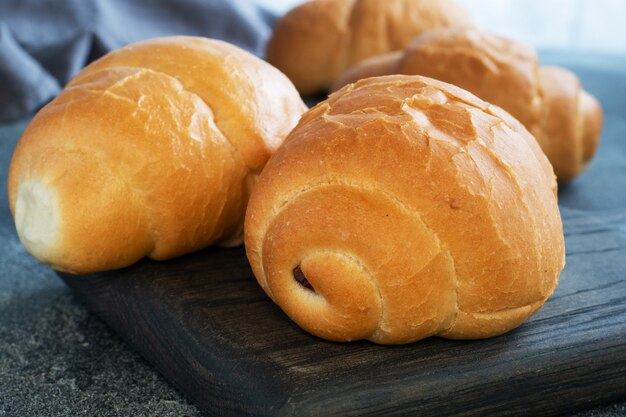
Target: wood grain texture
[205, 324]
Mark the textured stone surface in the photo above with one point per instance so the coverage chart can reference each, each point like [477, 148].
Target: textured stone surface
[56, 358]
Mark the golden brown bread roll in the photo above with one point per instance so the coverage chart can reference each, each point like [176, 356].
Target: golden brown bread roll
[316, 41]
[403, 207]
[550, 102]
[150, 151]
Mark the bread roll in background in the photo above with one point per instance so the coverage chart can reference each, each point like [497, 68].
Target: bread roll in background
[550, 102]
[150, 151]
[401, 208]
[316, 41]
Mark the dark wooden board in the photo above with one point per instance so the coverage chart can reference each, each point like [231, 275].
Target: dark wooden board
[204, 323]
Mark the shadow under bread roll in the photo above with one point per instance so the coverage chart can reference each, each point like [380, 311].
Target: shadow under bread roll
[150, 151]
[401, 208]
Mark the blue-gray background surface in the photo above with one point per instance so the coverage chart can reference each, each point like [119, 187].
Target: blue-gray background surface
[57, 359]
[43, 43]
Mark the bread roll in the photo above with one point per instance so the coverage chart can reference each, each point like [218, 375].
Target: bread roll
[401, 208]
[550, 102]
[150, 151]
[315, 42]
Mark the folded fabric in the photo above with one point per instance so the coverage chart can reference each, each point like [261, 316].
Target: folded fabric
[44, 43]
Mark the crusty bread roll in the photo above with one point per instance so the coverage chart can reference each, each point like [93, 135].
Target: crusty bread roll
[316, 41]
[550, 102]
[150, 151]
[403, 207]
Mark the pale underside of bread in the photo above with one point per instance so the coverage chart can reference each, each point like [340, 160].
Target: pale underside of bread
[412, 209]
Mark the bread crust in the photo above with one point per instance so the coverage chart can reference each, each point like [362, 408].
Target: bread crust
[549, 102]
[150, 151]
[316, 41]
[413, 209]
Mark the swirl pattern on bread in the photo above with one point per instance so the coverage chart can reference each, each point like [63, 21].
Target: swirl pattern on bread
[402, 208]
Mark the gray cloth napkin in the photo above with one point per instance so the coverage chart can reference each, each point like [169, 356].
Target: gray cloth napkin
[44, 43]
